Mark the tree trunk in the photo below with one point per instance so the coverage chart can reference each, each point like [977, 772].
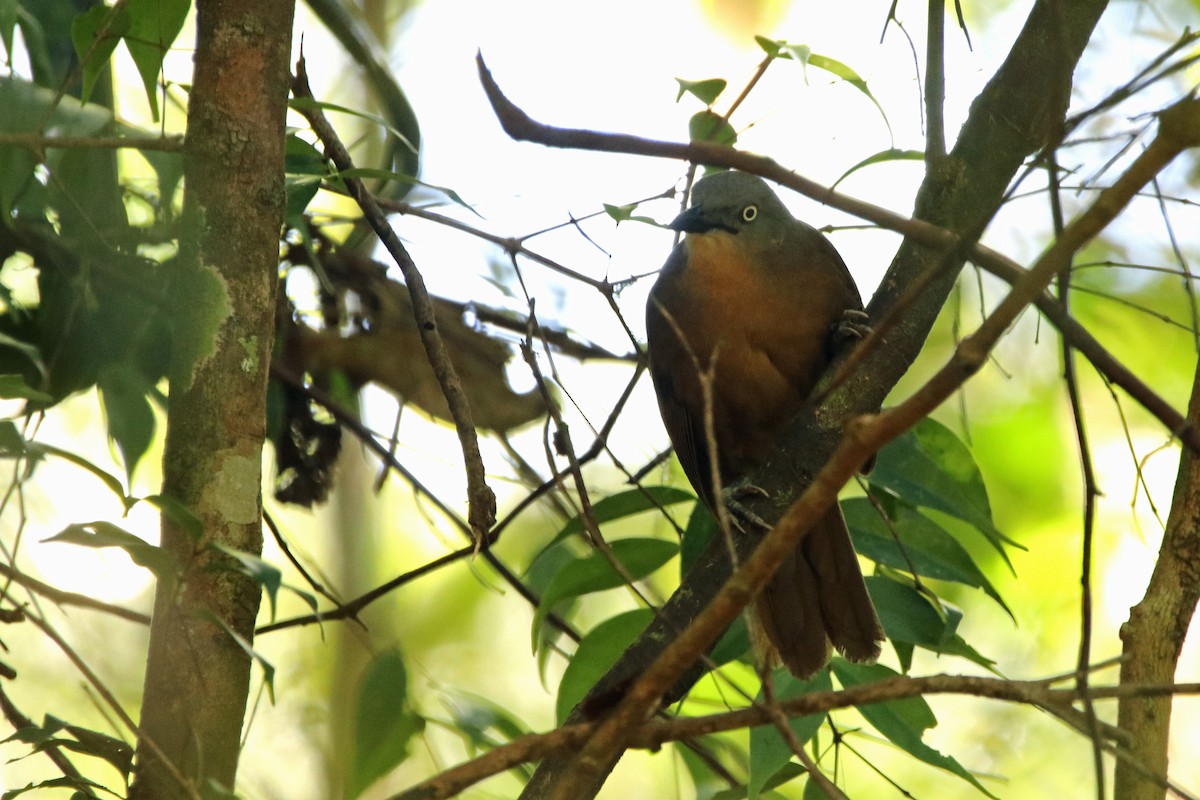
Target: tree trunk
[197, 675]
[1029, 94]
[1153, 636]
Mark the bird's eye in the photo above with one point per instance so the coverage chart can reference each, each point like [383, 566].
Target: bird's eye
[749, 213]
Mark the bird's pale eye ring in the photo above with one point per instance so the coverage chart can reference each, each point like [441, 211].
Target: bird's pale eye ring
[749, 213]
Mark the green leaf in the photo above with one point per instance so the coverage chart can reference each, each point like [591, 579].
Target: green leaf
[598, 651]
[904, 721]
[390, 175]
[851, 77]
[264, 574]
[34, 35]
[12, 443]
[105, 534]
[594, 573]
[930, 467]
[365, 51]
[14, 386]
[621, 505]
[883, 156]
[706, 91]
[787, 773]
[26, 349]
[24, 107]
[538, 577]
[36, 734]
[267, 667]
[771, 47]
[131, 425]
[384, 722]
[907, 615]
[625, 213]
[95, 34]
[708, 126]
[699, 532]
[305, 168]
[914, 542]
[476, 716]
[478, 721]
[8, 23]
[302, 103]
[81, 785]
[101, 745]
[777, 48]
[180, 514]
[768, 749]
[109, 480]
[154, 25]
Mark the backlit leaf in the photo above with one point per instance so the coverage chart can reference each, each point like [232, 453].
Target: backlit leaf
[594, 573]
[598, 651]
[706, 91]
[769, 751]
[903, 721]
[384, 722]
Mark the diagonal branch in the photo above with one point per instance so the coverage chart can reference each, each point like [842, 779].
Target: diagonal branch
[654, 734]
[1179, 129]
[917, 232]
[481, 499]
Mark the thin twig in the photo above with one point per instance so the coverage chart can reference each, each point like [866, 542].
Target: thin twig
[935, 83]
[481, 500]
[52, 750]
[1179, 128]
[653, 734]
[111, 701]
[65, 598]
[521, 126]
[39, 143]
[1090, 492]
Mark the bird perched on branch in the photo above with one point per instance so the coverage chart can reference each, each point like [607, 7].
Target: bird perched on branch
[758, 299]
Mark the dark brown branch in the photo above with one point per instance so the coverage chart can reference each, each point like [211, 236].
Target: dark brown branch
[653, 734]
[917, 232]
[351, 608]
[64, 598]
[1152, 639]
[482, 501]
[1179, 129]
[1030, 94]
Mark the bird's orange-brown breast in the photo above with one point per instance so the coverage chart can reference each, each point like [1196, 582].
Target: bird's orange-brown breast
[764, 326]
[751, 297]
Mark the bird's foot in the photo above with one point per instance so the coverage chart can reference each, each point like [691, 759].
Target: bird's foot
[854, 324]
[733, 495]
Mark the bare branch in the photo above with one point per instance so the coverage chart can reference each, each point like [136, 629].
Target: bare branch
[481, 499]
[1179, 129]
[39, 143]
[652, 735]
[939, 240]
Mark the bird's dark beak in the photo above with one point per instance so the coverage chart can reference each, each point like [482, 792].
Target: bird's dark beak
[695, 220]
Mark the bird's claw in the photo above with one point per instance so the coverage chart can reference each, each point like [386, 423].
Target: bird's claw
[732, 497]
[854, 324]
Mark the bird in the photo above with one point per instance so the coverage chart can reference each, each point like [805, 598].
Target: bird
[758, 299]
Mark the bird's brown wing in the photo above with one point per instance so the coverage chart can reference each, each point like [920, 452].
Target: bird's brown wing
[673, 372]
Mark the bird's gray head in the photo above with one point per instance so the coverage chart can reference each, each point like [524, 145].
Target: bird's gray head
[735, 202]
